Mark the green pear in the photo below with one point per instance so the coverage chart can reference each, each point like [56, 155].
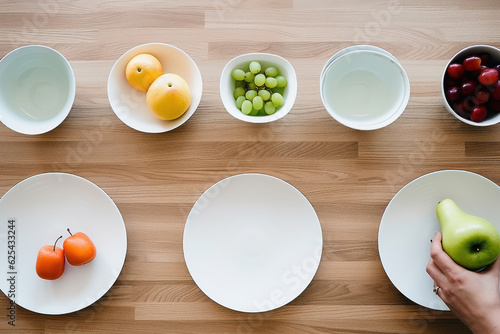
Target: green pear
[471, 241]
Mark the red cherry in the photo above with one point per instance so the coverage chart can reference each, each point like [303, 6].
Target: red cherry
[485, 58]
[488, 76]
[469, 104]
[494, 105]
[472, 63]
[468, 87]
[448, 83]
[476, 73]
[461, 110]
[464, 107]
[495, 94]
[455, 71]
[453, 94]
[478, 113]
[482, 96]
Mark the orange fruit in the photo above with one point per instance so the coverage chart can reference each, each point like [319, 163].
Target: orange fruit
[79, 249]
[50, 262]
[168, 97]
[142, 70]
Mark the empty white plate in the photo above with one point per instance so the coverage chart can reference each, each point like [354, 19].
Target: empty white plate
[252, 242]
[409, 223]
[43, 207]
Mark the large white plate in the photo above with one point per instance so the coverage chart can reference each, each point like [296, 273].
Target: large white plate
[44, 206]
[252, 242]
[409, 223]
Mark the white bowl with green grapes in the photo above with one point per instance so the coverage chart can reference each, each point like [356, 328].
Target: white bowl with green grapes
[258, 87]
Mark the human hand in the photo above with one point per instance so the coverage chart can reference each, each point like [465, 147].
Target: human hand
[473, 297]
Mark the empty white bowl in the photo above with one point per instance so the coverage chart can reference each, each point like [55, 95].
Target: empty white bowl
[473, 50]
[364, 87]
[227, 85]
[130, 105]
[37, 89]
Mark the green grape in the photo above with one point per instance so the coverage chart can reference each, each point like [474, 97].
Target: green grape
[264, 94]
[254, 112]
[254, 67]
[280, 90]
[271, 82]
[278, 100]
[260, 79]
[250, 94]
[246, 107]
[271, 71]
[269, 108]
[258, 91]
[240, 84]
[238, 74]
[258, 102]
[281, 81]
[240, 91]
[239, 101]
[249, 76]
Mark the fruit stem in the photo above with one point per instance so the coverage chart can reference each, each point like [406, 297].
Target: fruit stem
[55, 243]
[69, 231]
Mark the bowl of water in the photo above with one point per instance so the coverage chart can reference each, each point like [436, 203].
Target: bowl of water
[364, 87]
[37, 89]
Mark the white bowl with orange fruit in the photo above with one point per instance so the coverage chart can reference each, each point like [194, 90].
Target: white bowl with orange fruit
[154, 87]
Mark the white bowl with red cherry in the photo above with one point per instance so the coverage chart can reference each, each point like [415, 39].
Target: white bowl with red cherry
[471, 86]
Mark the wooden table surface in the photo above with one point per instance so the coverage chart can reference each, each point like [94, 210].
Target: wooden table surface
[348, 176]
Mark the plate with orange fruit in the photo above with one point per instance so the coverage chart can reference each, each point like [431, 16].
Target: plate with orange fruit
[68, 241]
[154, 87]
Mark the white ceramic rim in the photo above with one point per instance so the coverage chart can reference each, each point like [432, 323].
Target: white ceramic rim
[55, 121]
[362, 47]
[291, 88]
[374, 50]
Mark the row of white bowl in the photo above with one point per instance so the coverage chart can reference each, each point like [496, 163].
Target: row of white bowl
[363, 87]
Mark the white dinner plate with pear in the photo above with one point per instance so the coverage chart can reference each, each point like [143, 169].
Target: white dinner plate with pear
[252, 242]
[409, 223]
[42, 208]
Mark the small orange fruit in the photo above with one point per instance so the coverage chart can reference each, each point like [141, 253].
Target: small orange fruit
[50, 262]
[79, 249]
[142, 70]
[168, 97]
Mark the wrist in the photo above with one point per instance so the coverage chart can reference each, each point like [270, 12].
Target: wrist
[490, 324]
